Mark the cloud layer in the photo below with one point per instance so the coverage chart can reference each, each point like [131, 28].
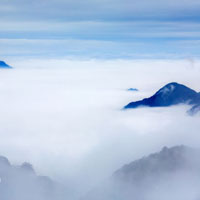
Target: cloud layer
[65, 116]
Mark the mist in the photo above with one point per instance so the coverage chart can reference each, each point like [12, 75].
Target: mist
[172, 173]
[66, 118]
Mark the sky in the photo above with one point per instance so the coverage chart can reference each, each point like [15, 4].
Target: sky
[100, 29]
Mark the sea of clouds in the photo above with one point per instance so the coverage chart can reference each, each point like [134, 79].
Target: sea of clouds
[66, 118]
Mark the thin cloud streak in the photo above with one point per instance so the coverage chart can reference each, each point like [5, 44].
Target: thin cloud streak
[98, 10]
[142, 22]
[14, 49]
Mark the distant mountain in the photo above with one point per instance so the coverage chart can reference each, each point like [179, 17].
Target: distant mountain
[22, 183]
[133, 90]
[4, 65]
[171, 174]
[170, 94]
[167, 160]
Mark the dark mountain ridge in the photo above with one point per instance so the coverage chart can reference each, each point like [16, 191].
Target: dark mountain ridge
[171, 94]
[4, 65]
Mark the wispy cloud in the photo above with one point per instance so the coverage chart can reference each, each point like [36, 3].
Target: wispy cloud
[150, 23]
[99, 10]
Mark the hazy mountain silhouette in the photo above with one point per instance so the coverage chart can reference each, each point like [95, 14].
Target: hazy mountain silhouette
[133, 90]
[171, 174]
[22, 183]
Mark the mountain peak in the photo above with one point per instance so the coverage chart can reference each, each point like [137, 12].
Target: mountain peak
[171, 94]
[4, 64]
[168, 89]
[166, 160]
[161, 175]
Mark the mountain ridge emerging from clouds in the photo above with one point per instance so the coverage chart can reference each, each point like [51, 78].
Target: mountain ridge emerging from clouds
[171, 94]
[4, 65]
[168, 159]
[22, 183]
[162, 175]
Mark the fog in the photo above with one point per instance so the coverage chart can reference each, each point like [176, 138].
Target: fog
[172, 173]
[66, 118]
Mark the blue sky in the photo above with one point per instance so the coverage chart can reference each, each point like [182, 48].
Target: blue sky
[100, 28]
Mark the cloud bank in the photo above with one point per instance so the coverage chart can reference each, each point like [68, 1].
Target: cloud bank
[65, 117]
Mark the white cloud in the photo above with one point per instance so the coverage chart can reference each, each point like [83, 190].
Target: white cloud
[65, 117]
